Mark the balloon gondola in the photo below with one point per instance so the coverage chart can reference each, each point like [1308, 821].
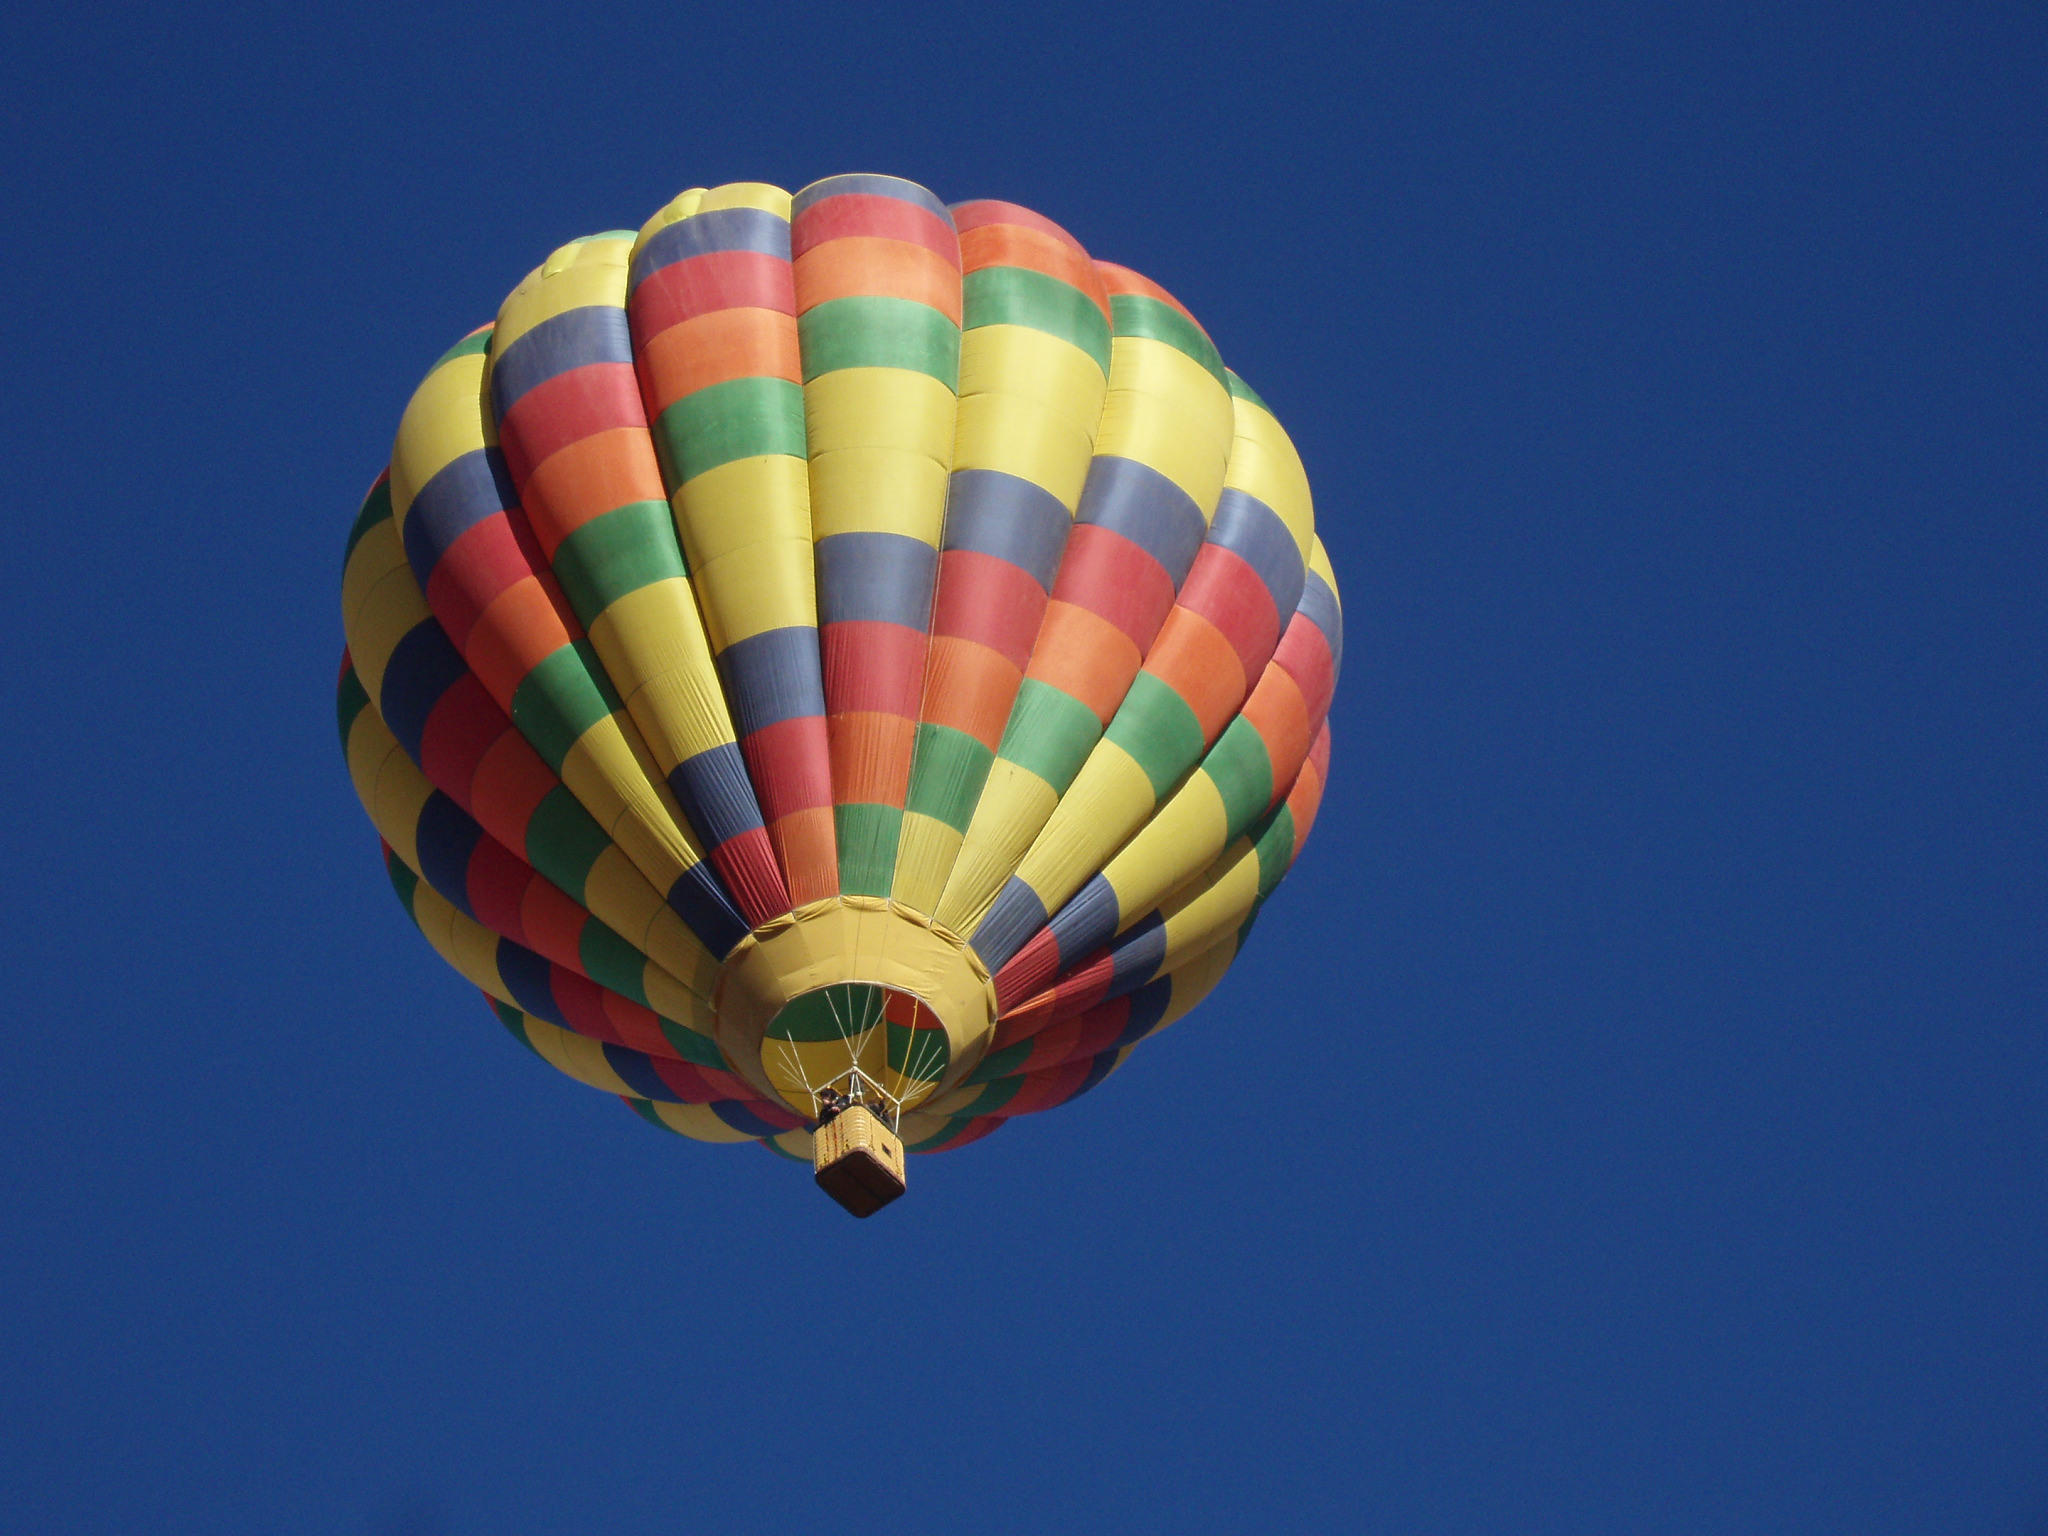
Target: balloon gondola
[838, 670]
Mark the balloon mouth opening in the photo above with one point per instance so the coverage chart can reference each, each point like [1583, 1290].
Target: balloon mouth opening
[856, 1042]
[857, 994]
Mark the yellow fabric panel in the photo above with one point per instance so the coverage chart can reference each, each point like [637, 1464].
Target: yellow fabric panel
[620, 897]
[445, 419]
[677, 209]
[577, 1056]
[672, 1000]
[798, 1143]
[377, 554]
[699, 1122]
[1263, 463]
[1215, 905]
[1174, 846]
[603, 773]
[746, 532]
[879, 408]
[1319, 562]
[654, 650]
[1030, 364]
[464, 943]
[371, 747]
[1021, 437]
[1167, 411]
[581, 273]
[878, 490]
[747, 194]
[761, 500]
[1014, 804]
[924, 854]
[1110, 798]
[388, 614]
[1196, 977]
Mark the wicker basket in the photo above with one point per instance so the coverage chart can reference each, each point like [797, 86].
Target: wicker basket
[859, 1160]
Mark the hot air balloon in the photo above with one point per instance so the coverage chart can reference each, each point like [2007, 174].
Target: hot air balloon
[837, 670]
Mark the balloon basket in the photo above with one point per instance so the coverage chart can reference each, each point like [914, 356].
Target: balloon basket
[859, 1160]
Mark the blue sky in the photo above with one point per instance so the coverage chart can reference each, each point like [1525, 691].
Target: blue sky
[1658, 1135]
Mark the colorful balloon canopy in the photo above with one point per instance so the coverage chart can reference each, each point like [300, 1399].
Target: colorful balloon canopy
[838, 636]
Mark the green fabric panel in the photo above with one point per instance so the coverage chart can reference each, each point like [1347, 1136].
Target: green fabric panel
[1275, 847]
[611, 962]
[563, 840]
[1137, 315]
[560, 699]
[928, 1047]
[403, 881]
[700, 1050]
[376, 509]
[993, 1096]
[1020, 296]
[875, 331]
[1001, 1063]
[350, 700]
[780, 1151]
[739, 419]
[620, 552]
[938, 1139]
[1050, 733]
[1243, 771]
[837, 1012]
[469, 346]
[514, 1021]
[867, 847]
[1244, 391]
[1155, 725]
[947, 773]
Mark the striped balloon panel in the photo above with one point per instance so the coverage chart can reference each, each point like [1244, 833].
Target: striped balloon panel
[713, 312]
[477, 567]
[630, 1074]
[491, 886]
[451, 724]
[1161, 450]
[1245, 584]
[1034, 364]
[727, 1122]
[1244, 775]
[878, 302]
[574, 434]
[511, 973]
[1032, 1042]
[1222, 901]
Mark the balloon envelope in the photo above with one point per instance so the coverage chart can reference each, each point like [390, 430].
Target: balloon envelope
[838, 638]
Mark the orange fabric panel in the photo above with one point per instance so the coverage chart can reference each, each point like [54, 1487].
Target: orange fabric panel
[1082, 653]
[1195, 659]
[870, 757]
[589, 478]
[712, 348]
[1279, 713]
[970, 687]
[809, 850]
[515, 634]
[868, 264]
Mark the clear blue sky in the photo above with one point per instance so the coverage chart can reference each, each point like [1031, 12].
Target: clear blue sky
[1661, 1136]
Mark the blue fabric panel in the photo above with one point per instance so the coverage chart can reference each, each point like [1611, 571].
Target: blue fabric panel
[462, 494]
[879, 577]
[700, 901]
[424, 665]
[446, 837]
[1135, 957]
[1087, 922]
[1016, 915]
[771, 677]
[870, 186]
[1144, 506]
[1148, 1007]
[1319, 604]
[530, 979]
[1006, 516]
[707, 234]
[638, 1073]
[716, 794]
[595, 333]
[741, 1118]
[1251, 530]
